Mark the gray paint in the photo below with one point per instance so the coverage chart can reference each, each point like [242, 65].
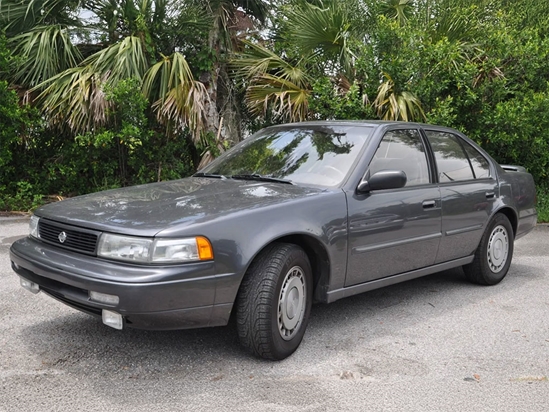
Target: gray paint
[357, 242]
[390, 232]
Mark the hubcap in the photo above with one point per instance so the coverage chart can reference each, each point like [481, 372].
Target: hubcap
[498, 248]
[291, 303]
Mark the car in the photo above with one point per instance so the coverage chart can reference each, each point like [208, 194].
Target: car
[296, 213]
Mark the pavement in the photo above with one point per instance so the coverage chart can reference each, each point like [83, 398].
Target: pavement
[432, 344]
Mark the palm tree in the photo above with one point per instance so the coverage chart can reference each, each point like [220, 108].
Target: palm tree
[316, 41]
[39, 33]
[228, 18]
[274, 83]
[323, 32]
[66, 61]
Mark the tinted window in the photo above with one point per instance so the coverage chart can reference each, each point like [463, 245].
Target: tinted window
[402, 150]
[319, 155]
[481, 167]
[452, 162]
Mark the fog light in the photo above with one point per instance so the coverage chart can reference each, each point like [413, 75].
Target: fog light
[30, 286]
[104, 298]
[112, 319]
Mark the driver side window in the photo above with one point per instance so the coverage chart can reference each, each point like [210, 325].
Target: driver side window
[402, 150]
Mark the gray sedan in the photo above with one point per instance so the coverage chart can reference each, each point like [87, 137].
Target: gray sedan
[294, 214]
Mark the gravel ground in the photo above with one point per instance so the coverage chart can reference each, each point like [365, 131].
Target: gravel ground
[433, 344]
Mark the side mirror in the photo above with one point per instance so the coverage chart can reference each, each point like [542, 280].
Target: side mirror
[384, 179]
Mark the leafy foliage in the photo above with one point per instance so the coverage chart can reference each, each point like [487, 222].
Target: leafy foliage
[345, 101]
[543, 203]
[144, 89]
[18, 124]
[128, 152]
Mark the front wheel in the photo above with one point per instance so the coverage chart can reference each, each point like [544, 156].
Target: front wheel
[274, 301]
[494, 253]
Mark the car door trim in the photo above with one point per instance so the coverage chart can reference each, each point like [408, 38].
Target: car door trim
[363, 249]
[463, 230]
[337, 294]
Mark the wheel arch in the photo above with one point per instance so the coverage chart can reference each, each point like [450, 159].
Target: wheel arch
[512, 216]
[318, 258]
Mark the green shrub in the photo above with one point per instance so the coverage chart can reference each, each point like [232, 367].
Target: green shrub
[516, 131]
[133, 150]
[543, 203]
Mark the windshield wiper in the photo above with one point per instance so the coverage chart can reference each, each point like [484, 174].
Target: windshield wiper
[261, 178]
[213, 175]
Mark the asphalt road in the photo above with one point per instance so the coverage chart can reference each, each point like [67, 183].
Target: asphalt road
[432, 344]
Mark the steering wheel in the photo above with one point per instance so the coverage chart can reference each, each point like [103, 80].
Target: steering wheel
[330, 168]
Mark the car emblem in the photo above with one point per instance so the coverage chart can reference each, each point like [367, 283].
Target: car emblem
[62, 237]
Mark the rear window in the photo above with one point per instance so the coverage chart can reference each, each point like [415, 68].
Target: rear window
[480, 165]
[452, 162]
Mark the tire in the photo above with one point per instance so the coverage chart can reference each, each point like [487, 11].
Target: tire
[274, 301]
[494, 253]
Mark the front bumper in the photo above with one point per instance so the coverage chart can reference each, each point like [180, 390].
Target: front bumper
[150, 297]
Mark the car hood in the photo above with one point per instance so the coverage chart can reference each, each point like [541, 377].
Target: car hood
[148, 209]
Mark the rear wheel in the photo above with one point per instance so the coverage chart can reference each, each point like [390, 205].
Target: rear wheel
[274, 301]
[494, 253]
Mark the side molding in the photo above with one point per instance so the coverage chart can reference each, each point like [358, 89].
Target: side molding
[334, 295]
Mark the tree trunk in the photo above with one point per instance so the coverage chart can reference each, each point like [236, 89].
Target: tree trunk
[221, 103]
[210, 79]
[229, 107]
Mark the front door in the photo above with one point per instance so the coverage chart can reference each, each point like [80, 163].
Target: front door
[396, 230]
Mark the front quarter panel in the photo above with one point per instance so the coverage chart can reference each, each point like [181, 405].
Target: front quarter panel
[238, 238]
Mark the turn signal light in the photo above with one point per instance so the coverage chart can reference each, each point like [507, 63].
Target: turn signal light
[205, 251]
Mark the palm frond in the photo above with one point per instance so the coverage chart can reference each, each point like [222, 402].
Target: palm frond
[19, 16]
[76, 94]
[256, 61]
[459, 24]
[273, 83]
[178, 98]
[323, 30]
[193, 16]
[75, 98]
[399, 10]
[288, 100]
[123, 60]
[392, 105]
[42, 53]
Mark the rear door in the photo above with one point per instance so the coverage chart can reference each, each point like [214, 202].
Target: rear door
[395, 230]
[468, 192]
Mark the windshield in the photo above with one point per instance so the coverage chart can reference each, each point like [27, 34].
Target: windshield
[318, 155]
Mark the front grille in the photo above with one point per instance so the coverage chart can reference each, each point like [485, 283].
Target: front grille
[77, 239]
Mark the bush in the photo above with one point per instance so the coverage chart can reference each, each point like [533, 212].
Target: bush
[517, 132]
[37, 161]
[18, 125]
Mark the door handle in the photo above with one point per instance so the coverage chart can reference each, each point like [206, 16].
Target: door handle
[490, 195]
[429, 204]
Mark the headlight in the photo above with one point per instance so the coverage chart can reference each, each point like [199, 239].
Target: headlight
[145, 250]
[33, 226]
[129, 248]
